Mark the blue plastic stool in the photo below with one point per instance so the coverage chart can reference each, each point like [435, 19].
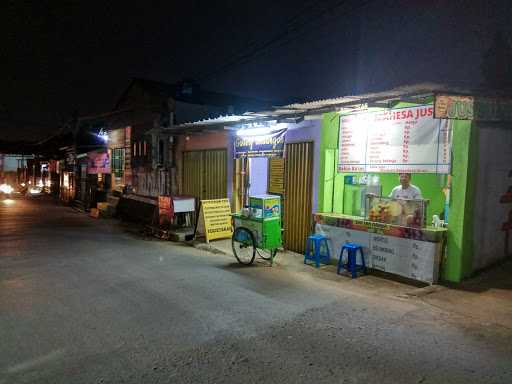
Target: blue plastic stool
[314, 247]
[351, 264]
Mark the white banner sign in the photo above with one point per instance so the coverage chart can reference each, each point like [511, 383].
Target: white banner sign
[418, 260]
[400, 140]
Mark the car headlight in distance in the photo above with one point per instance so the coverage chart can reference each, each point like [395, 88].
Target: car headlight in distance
[6, 188]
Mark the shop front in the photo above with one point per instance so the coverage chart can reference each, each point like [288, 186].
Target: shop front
[95, 178]
[459, 162]
[279, 159]
[67, 186]
[202, 165]
[67, 176]
[253, 156]
[120, 153]
[381, 156]
[336, 162]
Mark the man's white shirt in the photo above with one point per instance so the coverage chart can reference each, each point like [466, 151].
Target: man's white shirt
[410, 193]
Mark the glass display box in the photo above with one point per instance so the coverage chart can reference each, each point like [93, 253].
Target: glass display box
[265, 206]
[406, 213]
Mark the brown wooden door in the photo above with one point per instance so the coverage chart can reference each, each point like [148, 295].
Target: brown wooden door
[298, 194]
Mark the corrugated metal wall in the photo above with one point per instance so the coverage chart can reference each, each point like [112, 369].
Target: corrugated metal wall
[297, 202]
[205, 174]
[192, 173]
[215, 180]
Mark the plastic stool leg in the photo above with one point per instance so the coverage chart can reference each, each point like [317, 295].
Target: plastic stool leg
[306, 254]
[340, 261]
[353, 263]
[362, 260]
[327, 255]
[347, 264]
[317, 253]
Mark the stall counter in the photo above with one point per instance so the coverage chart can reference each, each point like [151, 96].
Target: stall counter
[415, 253]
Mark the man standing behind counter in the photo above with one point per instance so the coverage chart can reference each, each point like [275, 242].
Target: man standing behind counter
[406, 190]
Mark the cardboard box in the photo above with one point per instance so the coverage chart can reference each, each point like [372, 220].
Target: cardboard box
[94, 213]
[102, 206]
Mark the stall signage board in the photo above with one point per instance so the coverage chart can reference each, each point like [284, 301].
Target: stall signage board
[276, 176]
[271, 145]
[214, 220]
[165, 210]
[472, 108]
[98, 162]
[453, 107]
[399, 140]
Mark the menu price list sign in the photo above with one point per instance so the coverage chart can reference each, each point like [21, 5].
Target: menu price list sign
[401, 140]
[352, 143]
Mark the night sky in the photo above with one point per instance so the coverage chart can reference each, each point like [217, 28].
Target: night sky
[58, 57]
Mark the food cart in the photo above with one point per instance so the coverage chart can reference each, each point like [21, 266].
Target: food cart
[257, 229]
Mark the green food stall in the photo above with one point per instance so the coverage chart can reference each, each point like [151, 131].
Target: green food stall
[460, 159]
[364, 152]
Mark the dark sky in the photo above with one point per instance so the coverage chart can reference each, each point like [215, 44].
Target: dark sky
[58, 56]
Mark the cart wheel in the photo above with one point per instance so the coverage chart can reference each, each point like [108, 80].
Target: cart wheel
[267, 254]
[243, 245]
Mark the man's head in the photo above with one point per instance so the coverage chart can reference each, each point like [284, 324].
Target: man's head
[405, 180]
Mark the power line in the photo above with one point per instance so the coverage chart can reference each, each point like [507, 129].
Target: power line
[306, 8]
[253, 43]
[292, 25]
[280, 39]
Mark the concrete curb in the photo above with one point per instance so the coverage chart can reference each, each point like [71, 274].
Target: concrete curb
[421, 292]
[209, 248]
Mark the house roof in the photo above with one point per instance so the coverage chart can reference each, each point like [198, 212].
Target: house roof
[215, 123]
[413, 93]
[190, 92]
[417, 93]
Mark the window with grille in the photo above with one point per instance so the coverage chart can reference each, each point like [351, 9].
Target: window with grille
[118, 162]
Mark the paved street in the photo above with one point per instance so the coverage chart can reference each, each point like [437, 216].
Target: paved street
[91, 301]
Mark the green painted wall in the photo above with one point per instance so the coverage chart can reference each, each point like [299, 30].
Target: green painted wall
[328, 160]
[431, 186]
[459, 255]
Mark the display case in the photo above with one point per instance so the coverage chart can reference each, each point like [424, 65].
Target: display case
[406, 213]
[354, 198]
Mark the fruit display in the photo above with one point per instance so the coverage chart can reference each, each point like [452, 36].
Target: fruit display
[380, 213]
[386, 212]
[407, 213]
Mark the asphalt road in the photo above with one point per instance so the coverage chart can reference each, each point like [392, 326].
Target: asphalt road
[88, 301]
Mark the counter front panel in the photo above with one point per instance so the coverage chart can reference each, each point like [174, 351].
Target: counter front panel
[414, 253]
